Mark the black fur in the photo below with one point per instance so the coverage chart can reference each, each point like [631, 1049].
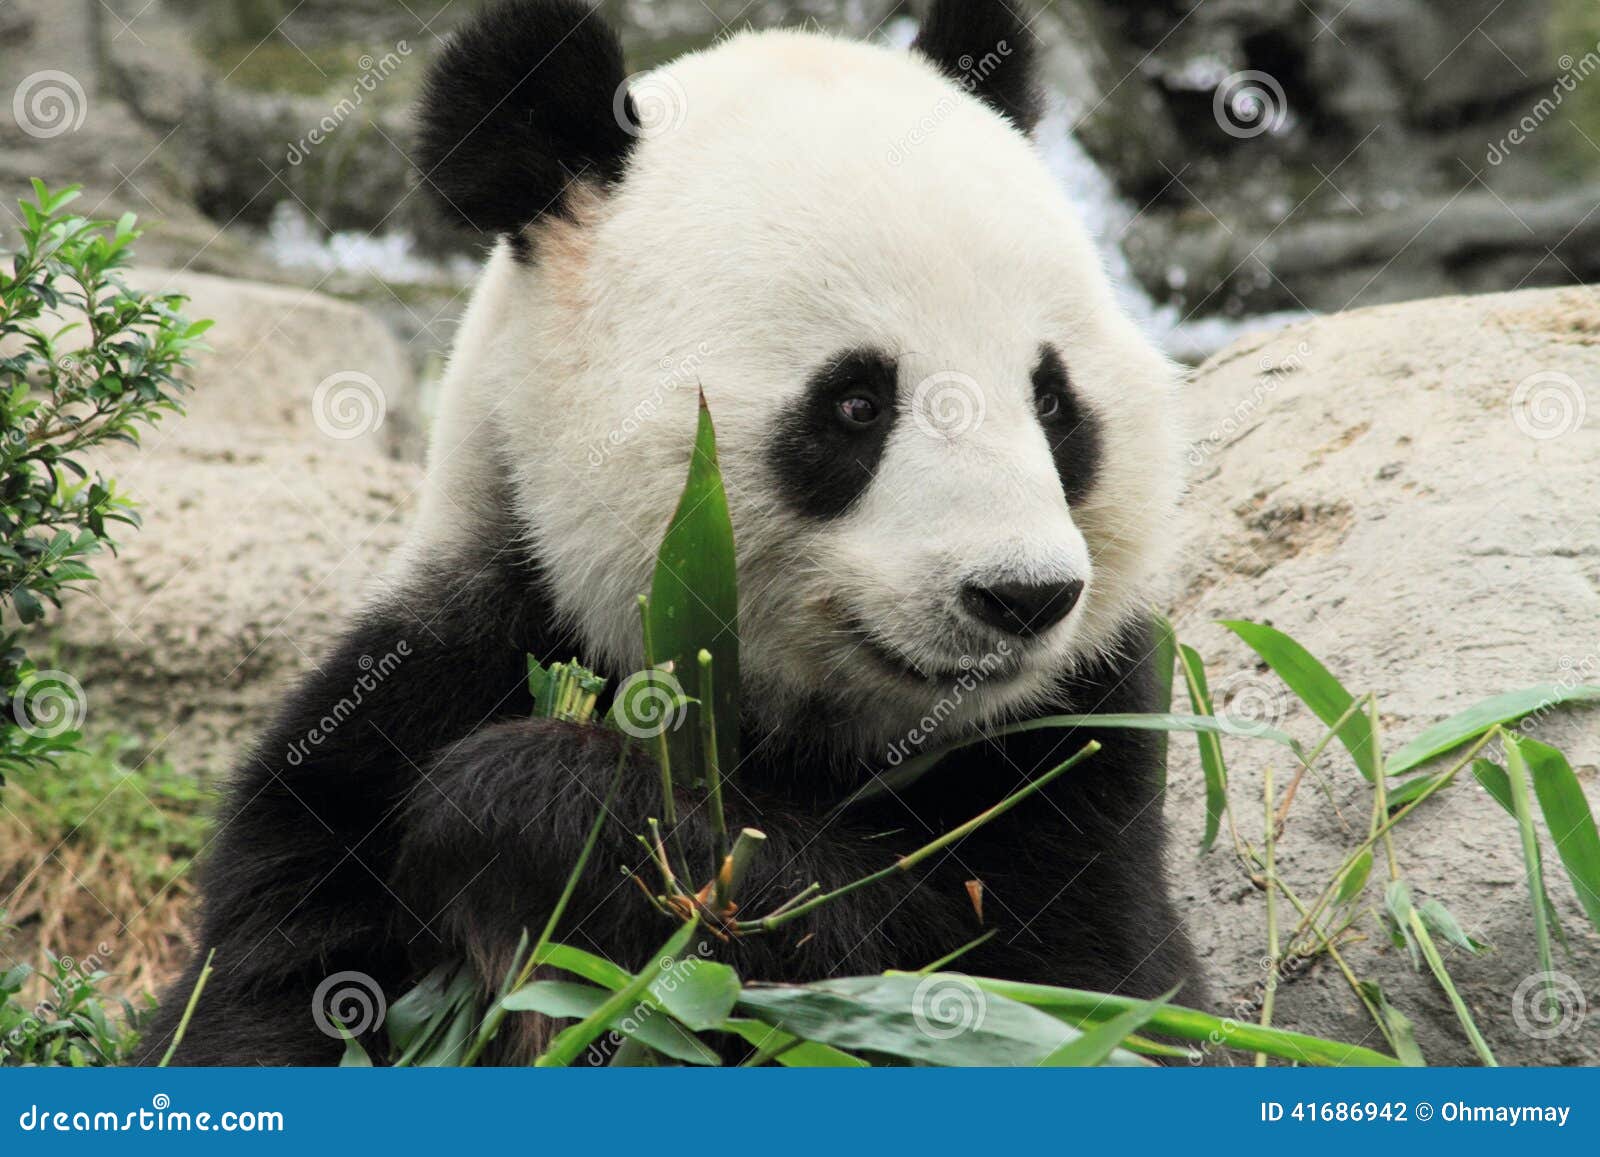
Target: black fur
[986, 47]
[1073, 429]
[435, 822]
[820, 463]
[525, 100]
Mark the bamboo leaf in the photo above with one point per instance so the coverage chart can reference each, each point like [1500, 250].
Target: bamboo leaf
[699, 993]
[1495, 781]
[1474, 721]
[1096, 1046]
[570, 1042]
[694, 602]
[790, 1050]
[1569, 820]
[1077, 1006]
[1212, 764]
[1354, 881]
[645, 1022]
[941, 1019]
[1397, 1027]
[1316, 687]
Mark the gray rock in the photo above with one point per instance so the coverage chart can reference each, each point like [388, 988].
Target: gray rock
[1410, 492]
[268, 510]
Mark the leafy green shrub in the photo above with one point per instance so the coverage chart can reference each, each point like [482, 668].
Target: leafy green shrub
[75, 1024]
[84, 361]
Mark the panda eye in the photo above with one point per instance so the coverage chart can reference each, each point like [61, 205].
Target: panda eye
[1048, 404]
[859, 412]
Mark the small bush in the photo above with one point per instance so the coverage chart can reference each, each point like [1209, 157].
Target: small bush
[84, 361]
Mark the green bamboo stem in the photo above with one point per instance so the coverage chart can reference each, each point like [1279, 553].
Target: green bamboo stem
[735, 867]
[1269, 997]
[713, 766]
[1388, 825]
[188, 1011]
[906, 863]
[1521, 799]
[669, 805]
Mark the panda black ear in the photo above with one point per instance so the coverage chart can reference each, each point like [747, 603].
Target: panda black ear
[526, 98]
[987, 47]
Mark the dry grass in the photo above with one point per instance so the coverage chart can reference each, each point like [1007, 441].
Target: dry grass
[95, 863]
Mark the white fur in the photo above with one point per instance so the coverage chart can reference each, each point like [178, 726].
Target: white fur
[818, 196]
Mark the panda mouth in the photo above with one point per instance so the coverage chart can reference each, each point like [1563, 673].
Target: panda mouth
[891, 658]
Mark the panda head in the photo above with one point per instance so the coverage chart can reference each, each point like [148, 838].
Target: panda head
[950, 456]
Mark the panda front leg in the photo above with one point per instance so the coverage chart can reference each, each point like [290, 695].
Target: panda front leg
[490, 838]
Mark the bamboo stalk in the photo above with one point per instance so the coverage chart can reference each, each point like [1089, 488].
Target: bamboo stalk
[905, 863]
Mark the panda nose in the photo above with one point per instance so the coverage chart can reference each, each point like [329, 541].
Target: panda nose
[1018, 608]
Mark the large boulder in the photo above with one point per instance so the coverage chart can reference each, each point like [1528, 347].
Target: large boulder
[267, 510]
[1412, 492]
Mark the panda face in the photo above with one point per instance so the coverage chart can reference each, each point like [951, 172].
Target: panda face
[949, 455]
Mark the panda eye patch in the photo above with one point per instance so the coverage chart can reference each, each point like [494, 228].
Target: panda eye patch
[859, 411]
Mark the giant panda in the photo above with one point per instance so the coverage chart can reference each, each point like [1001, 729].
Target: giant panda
[951, 462]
